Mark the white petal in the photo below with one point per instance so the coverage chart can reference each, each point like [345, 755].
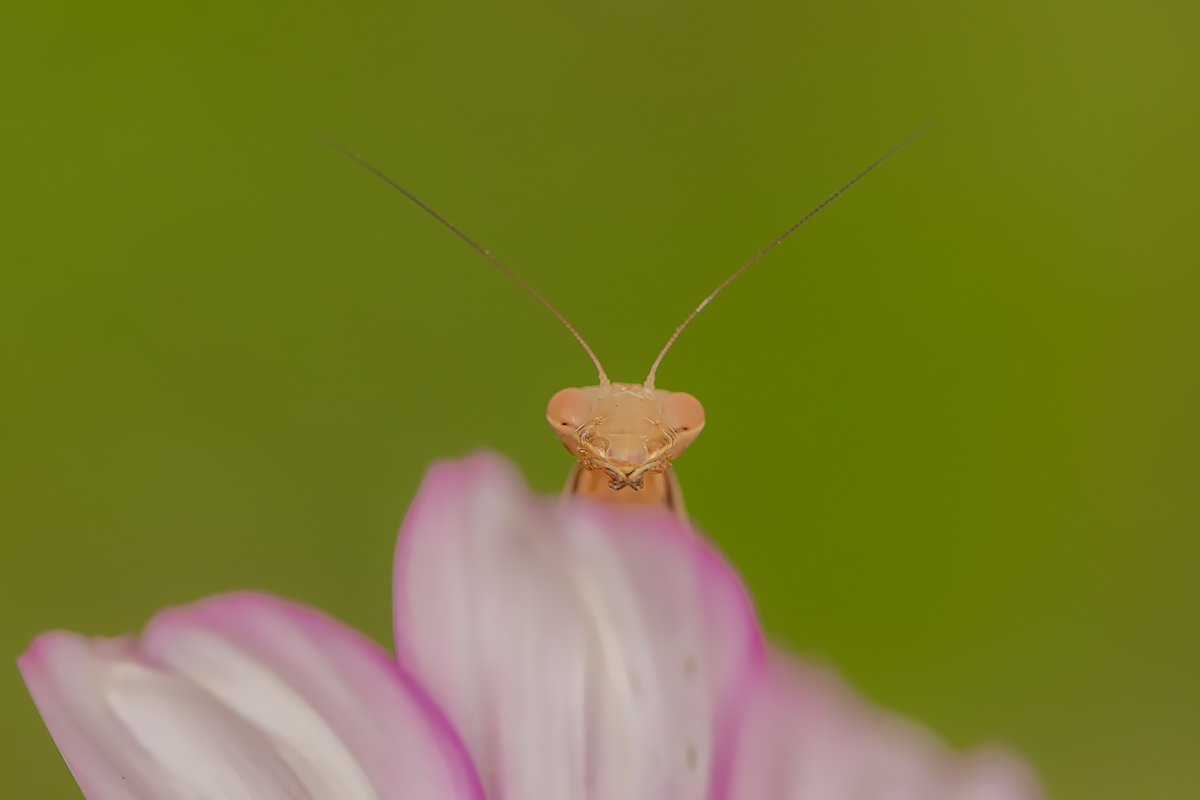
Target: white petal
[131, 731]
[243, 696]
[807, 737]
[581, 652]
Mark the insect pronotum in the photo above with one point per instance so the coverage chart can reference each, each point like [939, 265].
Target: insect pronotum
[625, 435]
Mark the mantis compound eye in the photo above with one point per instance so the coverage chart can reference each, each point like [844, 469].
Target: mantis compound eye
[565, 412]
[683, 414]
[568, 409]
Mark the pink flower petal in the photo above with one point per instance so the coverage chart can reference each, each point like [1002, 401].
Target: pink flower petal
[242, 695]
[579, 651]
[807, 737]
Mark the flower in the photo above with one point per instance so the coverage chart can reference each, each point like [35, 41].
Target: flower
[543, 652]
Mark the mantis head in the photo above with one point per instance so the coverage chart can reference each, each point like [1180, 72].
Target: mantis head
[624, 429]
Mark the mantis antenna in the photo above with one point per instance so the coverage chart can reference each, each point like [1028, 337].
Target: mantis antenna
[648, 385]
[486, 254]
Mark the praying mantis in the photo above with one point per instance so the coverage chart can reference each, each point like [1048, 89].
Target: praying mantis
[625, 435]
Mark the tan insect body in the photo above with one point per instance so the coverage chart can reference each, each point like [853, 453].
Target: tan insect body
[629, 435]
[625, 435]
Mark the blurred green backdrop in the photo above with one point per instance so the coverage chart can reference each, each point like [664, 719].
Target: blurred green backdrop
[952, 424]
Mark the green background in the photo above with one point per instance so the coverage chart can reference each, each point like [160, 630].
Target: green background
[952, 438]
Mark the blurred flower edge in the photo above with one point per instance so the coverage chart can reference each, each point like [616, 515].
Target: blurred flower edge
[543, 650]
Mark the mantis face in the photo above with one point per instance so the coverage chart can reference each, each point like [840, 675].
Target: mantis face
[625, 430]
